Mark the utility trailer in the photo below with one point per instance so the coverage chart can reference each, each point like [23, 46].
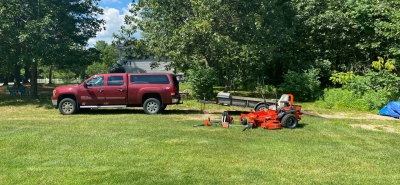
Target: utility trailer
[225, 98]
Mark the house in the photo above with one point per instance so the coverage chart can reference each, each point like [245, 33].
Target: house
[145, 65]
[141, 65]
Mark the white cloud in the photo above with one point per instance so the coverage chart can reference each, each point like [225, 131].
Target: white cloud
[114, 21]
[111, 1]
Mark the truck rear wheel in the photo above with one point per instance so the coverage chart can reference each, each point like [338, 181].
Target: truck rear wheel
[67, 106]
[152, 106]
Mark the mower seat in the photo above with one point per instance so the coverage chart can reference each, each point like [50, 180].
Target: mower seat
[282, 102]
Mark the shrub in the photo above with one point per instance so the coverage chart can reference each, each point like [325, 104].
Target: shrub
[342, 99]
[118, 69]
[202, 79]
[370, 91]
[376, 100]
[349, 100]
[304, 86]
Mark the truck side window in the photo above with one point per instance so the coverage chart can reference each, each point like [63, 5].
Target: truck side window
[96, 81]
[149, 79]
[115, 81]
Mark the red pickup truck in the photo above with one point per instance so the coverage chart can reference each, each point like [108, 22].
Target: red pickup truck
[153, 91]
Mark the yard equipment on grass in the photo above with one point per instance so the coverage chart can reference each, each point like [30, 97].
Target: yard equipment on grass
[225, 121]
[283, 114]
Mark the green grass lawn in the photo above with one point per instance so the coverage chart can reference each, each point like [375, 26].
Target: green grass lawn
[125, 146]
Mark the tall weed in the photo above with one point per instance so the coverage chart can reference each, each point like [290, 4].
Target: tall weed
[370, 91]
[342, 99]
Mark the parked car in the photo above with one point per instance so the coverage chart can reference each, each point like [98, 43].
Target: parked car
[152, 91]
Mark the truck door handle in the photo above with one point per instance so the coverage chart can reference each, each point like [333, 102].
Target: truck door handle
[100, 90]
[120, 89]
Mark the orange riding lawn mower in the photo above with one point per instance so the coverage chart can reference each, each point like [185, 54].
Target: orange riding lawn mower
[282, 113]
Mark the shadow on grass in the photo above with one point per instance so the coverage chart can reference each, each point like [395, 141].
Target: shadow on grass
[301, 125]
[42, 101]
[133, 111]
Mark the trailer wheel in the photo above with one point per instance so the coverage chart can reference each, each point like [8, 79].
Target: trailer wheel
[289, 121]
[260, 107]
[152, 106]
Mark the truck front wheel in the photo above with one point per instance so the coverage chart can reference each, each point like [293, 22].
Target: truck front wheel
[67, 106]
[152, 106]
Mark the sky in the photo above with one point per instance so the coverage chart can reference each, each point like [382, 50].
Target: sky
[114, 12]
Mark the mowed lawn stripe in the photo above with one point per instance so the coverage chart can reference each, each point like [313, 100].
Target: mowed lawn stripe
[125, 146]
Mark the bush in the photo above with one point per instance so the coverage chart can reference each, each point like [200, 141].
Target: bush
[374, 89]
[202, 79]
[342, 99]
[376, 100]
[304, 86]
[118, 69]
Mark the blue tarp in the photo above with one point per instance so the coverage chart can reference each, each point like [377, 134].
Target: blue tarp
[392, 109]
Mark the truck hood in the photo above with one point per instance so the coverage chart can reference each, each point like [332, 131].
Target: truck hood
[67, 87]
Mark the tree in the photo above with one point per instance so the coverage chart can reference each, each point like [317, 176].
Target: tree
[265, 39]
[45, 31]
[108, 57]
[232, 36]
[348, 34]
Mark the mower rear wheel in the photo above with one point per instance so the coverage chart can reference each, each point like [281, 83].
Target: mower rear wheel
[289, 121]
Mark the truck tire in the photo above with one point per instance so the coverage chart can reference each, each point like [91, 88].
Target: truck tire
[289, 121]
[67, 106]
[152, 106]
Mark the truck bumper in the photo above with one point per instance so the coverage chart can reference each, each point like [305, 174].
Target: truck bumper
[54, 102]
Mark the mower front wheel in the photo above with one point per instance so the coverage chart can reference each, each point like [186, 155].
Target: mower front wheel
[289, 121]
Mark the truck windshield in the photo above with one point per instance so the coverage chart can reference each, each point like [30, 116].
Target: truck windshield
[96, 81]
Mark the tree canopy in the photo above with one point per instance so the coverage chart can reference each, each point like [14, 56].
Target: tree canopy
[265, 39]
[46, 32]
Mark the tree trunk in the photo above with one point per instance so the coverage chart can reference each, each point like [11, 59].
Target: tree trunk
[34, 92]
[26, 75]
[5, 77]
[50, 74]
[207, 58]
[17, 75]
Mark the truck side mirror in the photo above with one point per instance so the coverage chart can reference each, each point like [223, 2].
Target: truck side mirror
[85, 85]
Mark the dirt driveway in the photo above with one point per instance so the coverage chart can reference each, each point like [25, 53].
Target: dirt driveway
[364, 116]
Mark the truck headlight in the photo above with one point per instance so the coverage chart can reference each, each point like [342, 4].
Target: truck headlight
[54, 92]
